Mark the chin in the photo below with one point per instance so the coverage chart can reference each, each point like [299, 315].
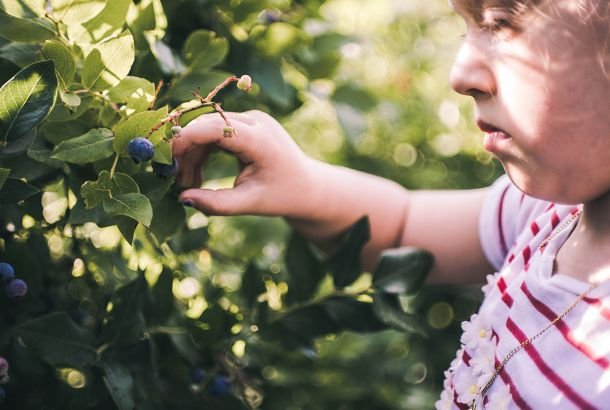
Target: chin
[546, 189]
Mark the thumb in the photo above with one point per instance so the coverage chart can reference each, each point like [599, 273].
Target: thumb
[230, 201]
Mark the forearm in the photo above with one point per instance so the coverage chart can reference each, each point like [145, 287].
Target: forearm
[341, 196]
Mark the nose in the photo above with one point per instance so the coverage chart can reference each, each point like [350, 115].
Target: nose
[472, 73]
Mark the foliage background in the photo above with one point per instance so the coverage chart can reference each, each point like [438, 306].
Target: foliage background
[361, 84]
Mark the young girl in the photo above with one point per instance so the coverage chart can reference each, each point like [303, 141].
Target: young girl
[537, 72]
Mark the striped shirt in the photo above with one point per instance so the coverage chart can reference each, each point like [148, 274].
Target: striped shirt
[568, 367]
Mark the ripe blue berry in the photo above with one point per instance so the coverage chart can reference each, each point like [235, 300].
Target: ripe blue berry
[220, 385]
[7, 273]
[197, 375]
[165, 170]
[16, 289]
[140, 149]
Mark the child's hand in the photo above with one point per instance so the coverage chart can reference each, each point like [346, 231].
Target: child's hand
[275, 177]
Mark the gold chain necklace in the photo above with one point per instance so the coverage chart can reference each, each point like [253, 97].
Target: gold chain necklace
[523, 344]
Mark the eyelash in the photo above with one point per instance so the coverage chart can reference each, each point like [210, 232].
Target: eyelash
[498, 24]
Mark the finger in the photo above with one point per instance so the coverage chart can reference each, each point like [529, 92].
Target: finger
[232, 201]
[208, 129]
[189, 172]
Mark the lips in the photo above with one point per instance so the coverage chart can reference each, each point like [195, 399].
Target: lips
[495, 138]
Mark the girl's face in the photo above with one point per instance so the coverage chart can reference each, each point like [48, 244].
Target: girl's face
[541, 94]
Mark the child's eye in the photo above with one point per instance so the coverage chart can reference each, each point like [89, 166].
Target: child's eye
[498, 21]
[497, 24]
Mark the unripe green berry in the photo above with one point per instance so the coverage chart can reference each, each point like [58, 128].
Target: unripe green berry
[244, 83]
[176, 129]
[228, 131]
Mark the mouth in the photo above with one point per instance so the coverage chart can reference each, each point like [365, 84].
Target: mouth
[495, 137]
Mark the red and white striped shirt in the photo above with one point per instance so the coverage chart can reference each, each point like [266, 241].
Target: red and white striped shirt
[568, 367]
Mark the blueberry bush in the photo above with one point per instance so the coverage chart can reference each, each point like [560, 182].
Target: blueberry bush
[115, 295]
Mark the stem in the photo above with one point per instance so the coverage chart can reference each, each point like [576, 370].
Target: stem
[204, 102]
[175, 115]
[219, 87]
[116, 161]
[157, 90]
[100, 350]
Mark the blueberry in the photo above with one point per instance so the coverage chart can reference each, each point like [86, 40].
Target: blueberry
[16, 289]
[140, 149]
[197, 375]
[7, 273]
[2, 395]
[165, 170]
[220, 385]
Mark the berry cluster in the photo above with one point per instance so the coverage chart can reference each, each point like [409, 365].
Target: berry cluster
[14, 288]
[3, 377]
[217, 385]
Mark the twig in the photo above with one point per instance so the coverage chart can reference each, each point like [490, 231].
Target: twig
[204, 102]
[157, 90]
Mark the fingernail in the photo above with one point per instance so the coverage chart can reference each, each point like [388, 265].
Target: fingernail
[187, 202]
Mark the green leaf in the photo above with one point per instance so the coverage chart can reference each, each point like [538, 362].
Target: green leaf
[127, 227]
[345, 263]
[168, 60]
[76, 11]
[133, 205]
[90, 147]
[137, 93]
[71, 101]
[163, 152]
[147, 15]
[119, 382]
[169, 217]
[18, 146]
[268, 75]
[58, 341]
[25, 30]
[388, 309]
[152, 186]
[138, 125]
[352, 314]
[204, 49]
[68, 114]
[24, 8]
[109, 62]
[40, 151]
[402, 270]
[95, 192]
[19, 53]
[125, 323]
[305, 270]
[123, 184]
[15, 190]
[3, 175]
[63, 58]
[25, 100]
[105, 24]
